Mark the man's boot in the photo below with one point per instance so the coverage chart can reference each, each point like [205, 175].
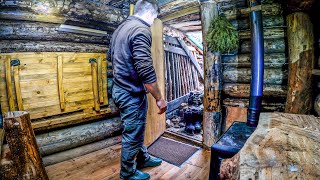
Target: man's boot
[197, 112]
[138, 175]
[189, 122]
[151, 162]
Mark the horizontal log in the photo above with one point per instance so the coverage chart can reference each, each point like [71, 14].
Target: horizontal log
[243, 75]
[184, 19]
[233, 4]
[176, 6]
[270, 46]
[180, 13]
[8, 46]
[17, 14]
[80, 151]
[190, 28]
[276, 60]
[226, 5]
[267, 10]
[243, 90]
[37, 31]
[68, 138]
[268, 33]
[73, 10]
[267, 106]
[268, 22]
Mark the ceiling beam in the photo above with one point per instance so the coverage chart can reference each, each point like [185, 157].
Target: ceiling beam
[184, 24]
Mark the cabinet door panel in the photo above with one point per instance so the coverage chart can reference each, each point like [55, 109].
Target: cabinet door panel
[51, 83]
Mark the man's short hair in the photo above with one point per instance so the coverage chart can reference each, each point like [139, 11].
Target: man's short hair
[143, 6]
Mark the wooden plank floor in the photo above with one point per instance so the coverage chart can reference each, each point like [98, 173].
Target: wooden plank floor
[105, 164]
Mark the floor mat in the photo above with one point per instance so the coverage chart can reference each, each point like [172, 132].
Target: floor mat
[173, 152]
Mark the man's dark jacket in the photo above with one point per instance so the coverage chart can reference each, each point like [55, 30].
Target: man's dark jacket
[130, 53]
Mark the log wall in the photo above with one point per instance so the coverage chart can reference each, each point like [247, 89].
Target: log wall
[237, 66]
[36, 26]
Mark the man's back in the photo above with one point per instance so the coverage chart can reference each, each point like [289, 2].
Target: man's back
[130, 53]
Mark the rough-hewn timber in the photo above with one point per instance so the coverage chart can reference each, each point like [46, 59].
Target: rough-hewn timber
[9, 46]
[284, 146]
[69, 10]
[212, 120]
[301, 62]
[80, 151]
[274, 60]
[39, 31]
[270, 46]
[243, 90]
[68, 138]
[243, 75]
[23, 147]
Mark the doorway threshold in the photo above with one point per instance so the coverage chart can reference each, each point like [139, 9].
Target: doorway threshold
[182, 138]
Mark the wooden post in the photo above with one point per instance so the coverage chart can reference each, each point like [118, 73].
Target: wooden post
[9, 84]
[23, 146]
[95, 84]
[131, 9]
[212, 120]
[301, 60]
[16, 76]
[60, 83]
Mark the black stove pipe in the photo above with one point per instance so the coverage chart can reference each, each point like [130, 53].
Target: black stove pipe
[257, 63]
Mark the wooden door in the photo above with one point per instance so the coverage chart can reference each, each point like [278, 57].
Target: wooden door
[156, 123]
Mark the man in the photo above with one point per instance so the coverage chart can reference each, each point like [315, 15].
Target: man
[134, 76]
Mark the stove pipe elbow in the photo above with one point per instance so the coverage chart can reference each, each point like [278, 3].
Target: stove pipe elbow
[257, 63]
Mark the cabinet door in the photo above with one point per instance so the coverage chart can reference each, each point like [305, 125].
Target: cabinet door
[48, 84]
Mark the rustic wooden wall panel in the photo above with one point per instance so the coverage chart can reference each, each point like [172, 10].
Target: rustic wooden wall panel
[38, 75]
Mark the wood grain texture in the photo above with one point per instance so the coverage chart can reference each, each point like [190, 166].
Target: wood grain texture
[9, 84]
[48, 83]
[68, 138]
[105, 164]
[59, 11]
[267, 10]
[39, 31]
[301, 62]
[284, 146]
[271, 61]
[23, 146]
[12, 46]
[60, 83]
[80, 151]
[16, 76]
[212, 120]
[155, 126]
[241, 90]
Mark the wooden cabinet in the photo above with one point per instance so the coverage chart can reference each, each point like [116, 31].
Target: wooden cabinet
[49, 84]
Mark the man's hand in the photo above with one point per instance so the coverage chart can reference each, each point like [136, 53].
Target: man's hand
[162, 105]
[155, 91]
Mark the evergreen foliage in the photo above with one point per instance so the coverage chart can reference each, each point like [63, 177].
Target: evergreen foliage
[222, 36]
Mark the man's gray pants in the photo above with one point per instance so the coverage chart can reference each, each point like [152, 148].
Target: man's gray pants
[133, 112]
